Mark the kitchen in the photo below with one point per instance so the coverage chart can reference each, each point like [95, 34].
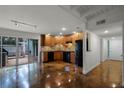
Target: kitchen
[62, 48]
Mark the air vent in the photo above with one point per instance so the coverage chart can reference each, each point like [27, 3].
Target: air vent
[101, 22]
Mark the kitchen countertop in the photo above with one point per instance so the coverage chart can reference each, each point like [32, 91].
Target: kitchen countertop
[58, 51]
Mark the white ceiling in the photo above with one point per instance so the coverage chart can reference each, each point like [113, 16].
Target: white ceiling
[114, 30]
[113, 14]
[91, 11]
[49, 19]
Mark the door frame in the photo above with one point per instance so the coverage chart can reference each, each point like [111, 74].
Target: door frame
[1, 52]
[123, 54]
[1, 36]
[17, 51]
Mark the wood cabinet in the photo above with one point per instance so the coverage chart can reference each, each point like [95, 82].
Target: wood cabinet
[42, 38]
[77, 36]
[68, 38]
[72, 57]
[45, 56]
[49, 40]
[58, 56]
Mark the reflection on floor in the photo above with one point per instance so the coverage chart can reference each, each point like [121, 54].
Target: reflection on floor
[60, 74]
[12, 61]
[22, 76]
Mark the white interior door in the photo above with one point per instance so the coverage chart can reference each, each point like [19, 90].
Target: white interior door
[115, 49]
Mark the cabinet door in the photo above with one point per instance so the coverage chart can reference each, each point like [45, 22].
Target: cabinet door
[55, 56]
[49, 41]
[45, 57]
[58, 56]
[61, 56]
[72, 55]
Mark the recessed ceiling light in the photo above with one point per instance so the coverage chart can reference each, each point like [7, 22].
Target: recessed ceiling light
[60, 33]
[106, 31]
[113, 37]
[63, 29]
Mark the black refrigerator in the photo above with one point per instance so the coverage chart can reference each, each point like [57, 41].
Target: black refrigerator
[79, 53]
[66, 57]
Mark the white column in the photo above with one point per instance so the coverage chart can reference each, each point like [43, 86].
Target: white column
[39, 49]
[84, 48]
[123, 54]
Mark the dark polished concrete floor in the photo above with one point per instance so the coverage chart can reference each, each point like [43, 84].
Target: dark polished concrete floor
[61, 75]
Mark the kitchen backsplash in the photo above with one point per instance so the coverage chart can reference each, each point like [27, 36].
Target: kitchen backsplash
[60, 47]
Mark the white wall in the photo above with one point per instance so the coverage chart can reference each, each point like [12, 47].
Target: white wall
[91, 58]
[115, 49]
[104, 49]
[21, 34]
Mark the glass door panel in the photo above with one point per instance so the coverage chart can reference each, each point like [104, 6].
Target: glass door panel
[22, 51]
[0, 65]
[0, 54]
[8, 51]
[33, 50]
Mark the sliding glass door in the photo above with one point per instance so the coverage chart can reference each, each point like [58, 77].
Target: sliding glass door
[27, 51]
[13, 53]
[33, 50]
[16, 51]
[8, 51]
[0, 53]
[22, 51]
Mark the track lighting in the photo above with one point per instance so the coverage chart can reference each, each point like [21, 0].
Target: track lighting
[22, 23]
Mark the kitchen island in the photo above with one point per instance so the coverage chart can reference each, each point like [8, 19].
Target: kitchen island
[66, 56]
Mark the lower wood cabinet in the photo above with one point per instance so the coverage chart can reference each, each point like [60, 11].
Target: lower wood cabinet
[45, 56]
[72, 57]
[68, 57]
[58, 56]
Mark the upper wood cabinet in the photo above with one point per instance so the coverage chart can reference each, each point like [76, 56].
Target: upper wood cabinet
[60, 40]
[68, 38]
[42, 37]
[52, 40]
[49, 40]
